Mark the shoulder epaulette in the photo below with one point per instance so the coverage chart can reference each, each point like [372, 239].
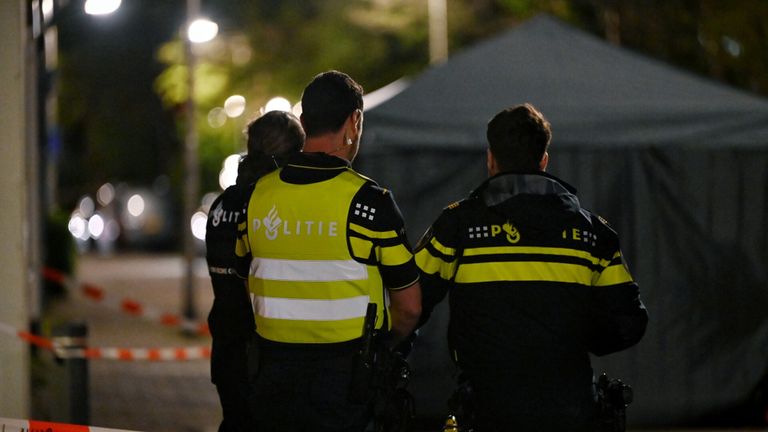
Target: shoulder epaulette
[453, 205]
[376, 188]
[602, 219]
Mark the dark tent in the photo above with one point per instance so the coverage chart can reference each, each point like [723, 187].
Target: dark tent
[677, 164]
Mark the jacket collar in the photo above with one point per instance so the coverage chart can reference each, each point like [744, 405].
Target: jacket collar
[504, 186]
[306, 168]
[317, 160]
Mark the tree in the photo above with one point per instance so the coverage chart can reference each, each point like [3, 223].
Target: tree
[114, 126]
[269, 48]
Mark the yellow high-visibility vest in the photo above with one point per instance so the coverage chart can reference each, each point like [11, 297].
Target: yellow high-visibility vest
[307, 287]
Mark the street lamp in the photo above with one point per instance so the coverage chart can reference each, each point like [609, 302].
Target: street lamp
[101, 7]
[202, 30]
[199, 30]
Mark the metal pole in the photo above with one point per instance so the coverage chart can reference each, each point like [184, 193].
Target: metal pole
[438, 31]
[191, 171]
[76, 404]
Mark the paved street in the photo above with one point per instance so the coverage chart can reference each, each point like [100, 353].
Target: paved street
[142, 395]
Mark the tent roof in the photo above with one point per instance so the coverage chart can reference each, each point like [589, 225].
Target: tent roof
[593, 93]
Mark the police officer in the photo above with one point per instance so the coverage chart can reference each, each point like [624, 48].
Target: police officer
[270, 139]
[536, 283]
[325, 243]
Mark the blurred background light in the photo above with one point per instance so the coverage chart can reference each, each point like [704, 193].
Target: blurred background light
[197, 223]
[731, 46]
[217, 117]
[47, 8]
[86, 207]
[278, 104]
[296, 110]
[105, 194]
[78, 227]
[208, 200]
[96, 226]
[101, 7]
[136, 205]
[228, 174]
[111, 230]
[234, 106]
[241, 50]
[202, 30]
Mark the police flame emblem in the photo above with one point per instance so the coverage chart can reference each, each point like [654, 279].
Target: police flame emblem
[271, 223]
[216, 214]
[513, 235]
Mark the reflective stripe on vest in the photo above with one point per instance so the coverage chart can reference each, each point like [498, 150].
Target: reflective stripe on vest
[309, 271]
[307, 287]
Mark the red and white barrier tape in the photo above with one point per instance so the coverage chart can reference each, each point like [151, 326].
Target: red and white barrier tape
[126, 305]
[63, 350]
[15, 425]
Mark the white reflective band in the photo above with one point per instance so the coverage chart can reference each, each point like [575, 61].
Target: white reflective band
[312, 310]
[308, 271]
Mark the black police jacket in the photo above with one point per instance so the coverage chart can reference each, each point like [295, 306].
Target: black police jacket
[535, 284]
[231, 319]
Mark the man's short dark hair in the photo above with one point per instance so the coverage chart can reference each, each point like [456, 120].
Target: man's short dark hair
[518, 137]
[327, 102]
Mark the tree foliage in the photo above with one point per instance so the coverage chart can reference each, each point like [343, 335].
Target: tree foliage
[272, 48]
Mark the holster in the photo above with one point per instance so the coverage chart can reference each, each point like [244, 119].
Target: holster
[613, 397]
[363, 367]
[393, 404]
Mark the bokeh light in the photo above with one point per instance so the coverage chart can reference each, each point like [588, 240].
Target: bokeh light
[202, 30]
[197, 223]
[105, 194]
[101, 7]
[278, 104]
[731, 46]
[111, 230]
[228, 174]
[96, 225]
[217, 117]
[135, 205]
[207, 201]
[296, 110]
[86, 207]
[78, 227]
[234, 106]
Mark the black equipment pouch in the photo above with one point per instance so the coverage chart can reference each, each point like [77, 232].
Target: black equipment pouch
[394, 406]
[613, 397]
[379, 377]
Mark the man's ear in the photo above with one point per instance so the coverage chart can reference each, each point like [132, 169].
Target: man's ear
[544, 161]
[490, 163]
[357, 120]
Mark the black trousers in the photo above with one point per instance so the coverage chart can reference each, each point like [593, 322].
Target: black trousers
[511, 403]
[306, 390]
[234, 406]
[229, 371]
